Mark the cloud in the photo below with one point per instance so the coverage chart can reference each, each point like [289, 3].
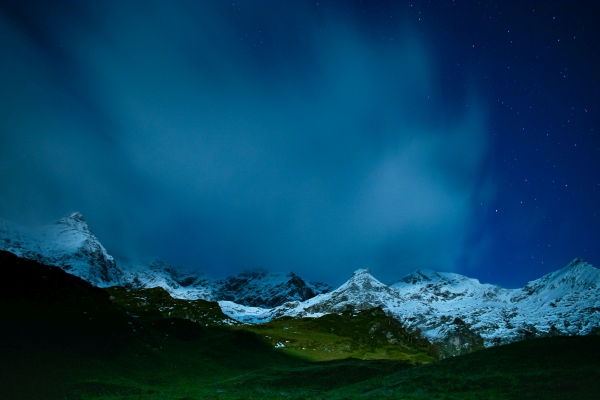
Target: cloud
[278, 139]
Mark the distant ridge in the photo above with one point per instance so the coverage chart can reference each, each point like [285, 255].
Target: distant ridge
[457, 313]
[71, 245]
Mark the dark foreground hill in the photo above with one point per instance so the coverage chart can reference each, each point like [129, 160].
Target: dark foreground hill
[62, 338]
[455, 314]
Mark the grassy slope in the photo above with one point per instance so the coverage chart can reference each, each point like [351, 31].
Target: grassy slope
[223, 365]
[369, 335]
[549, 368]
[156, 303]
[62, 338]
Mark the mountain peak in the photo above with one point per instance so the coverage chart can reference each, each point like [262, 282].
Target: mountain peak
[260, 288]
[76, 216]
[361, 292]
[363, 271]
[419, 276]
[363, 278]
[76, 222]
[427, 274]
[576, 269]
[578, 262]
[73, 217]
[69, 244]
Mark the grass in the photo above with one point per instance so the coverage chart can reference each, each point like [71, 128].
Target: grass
[228, 364]
[549, 368]
[156, 303]
[368, 335]
[61, 338]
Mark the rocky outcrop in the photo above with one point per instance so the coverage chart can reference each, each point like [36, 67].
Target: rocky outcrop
[457, 340]
[455, 313]
[259, 288]
[69, 244]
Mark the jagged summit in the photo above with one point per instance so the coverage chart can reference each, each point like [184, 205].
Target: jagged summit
[362, 280]
[564, 302]
[420, 275]
[75, 221]
[267, 290]
[433, 278]
[69, 244]
[74, 216]
[576, 276]
[362, 271]
[580, 267]
[361, 292]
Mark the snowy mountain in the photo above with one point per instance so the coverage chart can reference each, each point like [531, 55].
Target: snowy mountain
[361, 292]
[179, 284]
[460, 314]
[71, 245]
[456, 313]
[260, 288]
[257, 288]
[565, 302]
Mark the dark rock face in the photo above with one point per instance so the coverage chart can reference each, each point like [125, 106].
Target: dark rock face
[69, 244]
[259, 288]
[458, 340]
[102, 265]
[361, 292]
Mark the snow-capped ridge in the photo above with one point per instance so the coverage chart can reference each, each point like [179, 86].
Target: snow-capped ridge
[362, 279]
[563, 302]
[75, 221]
[420, 275]
[69, 244]
[428, 276]
[362, 271]
[361, 292]
[266, 289]
[577, 276]
[460, 313]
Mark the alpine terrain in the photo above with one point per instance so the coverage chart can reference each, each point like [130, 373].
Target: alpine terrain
[456, 313]
[71, 245]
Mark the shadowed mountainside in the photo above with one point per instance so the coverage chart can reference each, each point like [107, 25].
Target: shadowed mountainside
[64, 339]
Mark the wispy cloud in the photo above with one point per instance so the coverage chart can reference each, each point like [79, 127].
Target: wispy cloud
[288, 141]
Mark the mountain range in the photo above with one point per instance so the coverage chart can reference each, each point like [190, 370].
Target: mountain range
[457, 313]
[71, 245]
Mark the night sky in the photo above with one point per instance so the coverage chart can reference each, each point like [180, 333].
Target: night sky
[314, 137]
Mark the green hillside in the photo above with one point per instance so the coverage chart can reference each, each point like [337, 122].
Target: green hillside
[156, 303]
[369, 335]
[61, 338]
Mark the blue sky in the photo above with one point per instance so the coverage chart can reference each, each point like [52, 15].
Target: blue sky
[313, 137]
